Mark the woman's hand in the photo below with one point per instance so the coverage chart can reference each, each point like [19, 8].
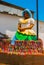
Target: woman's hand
[30, 26]
[22, 29]
[19, 27]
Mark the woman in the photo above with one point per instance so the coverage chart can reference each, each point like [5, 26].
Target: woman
[25, 26]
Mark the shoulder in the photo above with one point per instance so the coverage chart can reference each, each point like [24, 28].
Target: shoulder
[31, 20]
[21, 20]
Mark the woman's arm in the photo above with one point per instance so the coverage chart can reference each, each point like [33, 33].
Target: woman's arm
[22, 29]
[30, 26]
[31, 22]
[19, 27]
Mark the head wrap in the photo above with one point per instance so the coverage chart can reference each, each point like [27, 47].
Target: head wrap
[27, 11]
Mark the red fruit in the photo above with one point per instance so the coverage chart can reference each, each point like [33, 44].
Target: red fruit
[30, 51]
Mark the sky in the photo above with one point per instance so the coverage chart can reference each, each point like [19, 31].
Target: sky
[31, 5]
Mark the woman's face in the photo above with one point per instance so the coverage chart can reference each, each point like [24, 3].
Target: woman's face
[26, 15]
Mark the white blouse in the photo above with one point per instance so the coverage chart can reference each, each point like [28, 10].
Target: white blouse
[27, 22]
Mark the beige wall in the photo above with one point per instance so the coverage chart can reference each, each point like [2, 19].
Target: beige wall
[8, 22]
[41, 27]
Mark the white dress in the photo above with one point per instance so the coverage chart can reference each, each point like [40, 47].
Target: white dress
[26, 23]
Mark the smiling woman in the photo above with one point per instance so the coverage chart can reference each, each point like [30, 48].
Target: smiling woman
[25, 26]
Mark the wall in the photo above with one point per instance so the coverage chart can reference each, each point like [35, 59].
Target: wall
[8, 22]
